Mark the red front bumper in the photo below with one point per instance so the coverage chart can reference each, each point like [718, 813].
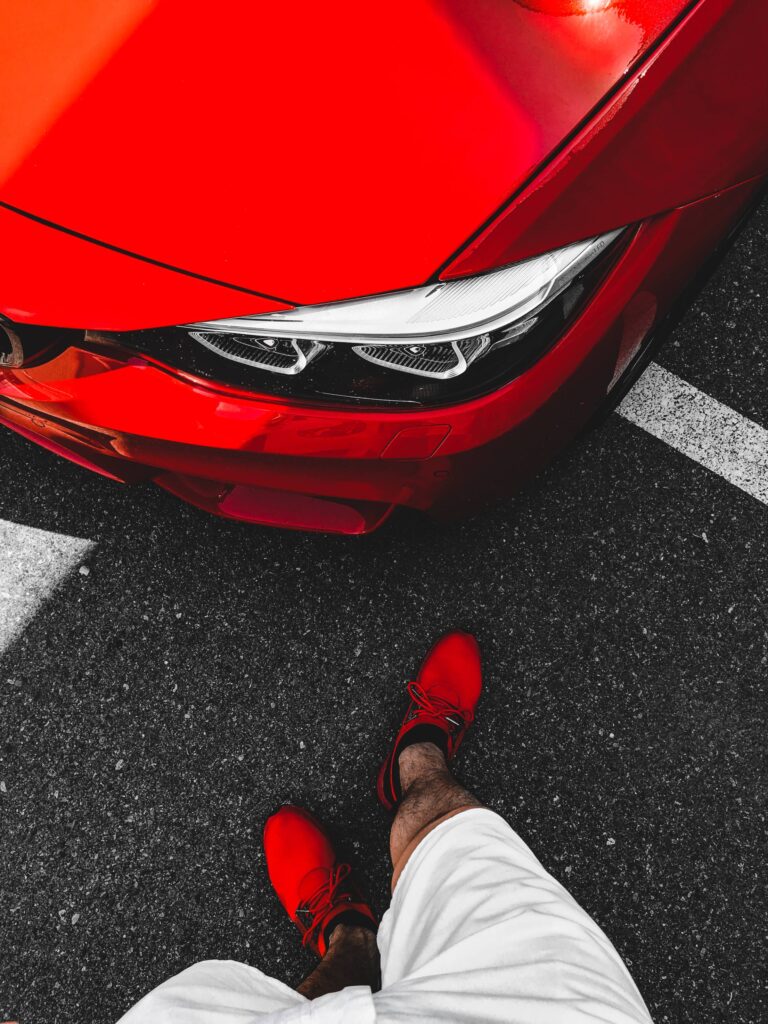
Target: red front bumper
[344, 469]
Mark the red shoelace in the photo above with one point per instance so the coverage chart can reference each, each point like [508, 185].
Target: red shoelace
[323, 898]
[438, 707]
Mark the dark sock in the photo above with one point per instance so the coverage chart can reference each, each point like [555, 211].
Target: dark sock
[353, 918]
[418, 734]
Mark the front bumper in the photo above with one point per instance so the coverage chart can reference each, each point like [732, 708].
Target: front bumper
[343, 469]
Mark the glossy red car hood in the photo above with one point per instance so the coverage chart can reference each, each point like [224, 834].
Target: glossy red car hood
[306, 151]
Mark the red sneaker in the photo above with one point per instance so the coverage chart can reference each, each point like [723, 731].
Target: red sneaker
[445, 695]
[308, 879]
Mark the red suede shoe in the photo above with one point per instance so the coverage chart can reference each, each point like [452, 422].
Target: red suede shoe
[445, 695]
[308, 879]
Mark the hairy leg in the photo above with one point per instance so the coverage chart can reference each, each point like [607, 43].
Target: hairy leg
[430, 792]
[352, 958]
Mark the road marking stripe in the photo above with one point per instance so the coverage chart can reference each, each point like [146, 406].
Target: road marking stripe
[700, 427]
[33, 564]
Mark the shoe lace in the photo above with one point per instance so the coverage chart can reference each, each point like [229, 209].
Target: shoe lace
[438, 706]
[324, 898]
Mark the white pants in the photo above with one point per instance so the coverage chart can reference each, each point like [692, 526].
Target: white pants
[477, 933]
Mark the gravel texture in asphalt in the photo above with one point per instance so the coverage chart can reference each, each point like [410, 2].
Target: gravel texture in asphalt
[189, 675]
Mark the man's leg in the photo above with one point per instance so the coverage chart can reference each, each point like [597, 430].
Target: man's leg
[352, 958]
[333, 918]
[414, 778]
[430, 793]
[324, 901]
[477, 929]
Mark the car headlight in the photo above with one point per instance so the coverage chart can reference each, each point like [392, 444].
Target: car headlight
[437, 331]
[443, 342]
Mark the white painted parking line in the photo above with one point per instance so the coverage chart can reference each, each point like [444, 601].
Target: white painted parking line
[702, 428]
[33, 563]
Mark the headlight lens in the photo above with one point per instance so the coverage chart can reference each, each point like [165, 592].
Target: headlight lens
[441, 343]
[437, 331]
[278, 355]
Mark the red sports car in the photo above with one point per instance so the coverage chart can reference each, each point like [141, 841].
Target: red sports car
[301, 264]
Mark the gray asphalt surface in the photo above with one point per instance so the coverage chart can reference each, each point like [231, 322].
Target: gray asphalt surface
[156, 710]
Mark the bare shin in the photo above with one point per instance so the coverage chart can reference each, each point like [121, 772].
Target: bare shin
[430, 792]
[352, 958]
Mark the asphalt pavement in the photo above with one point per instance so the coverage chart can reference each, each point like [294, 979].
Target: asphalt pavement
[168, 679]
